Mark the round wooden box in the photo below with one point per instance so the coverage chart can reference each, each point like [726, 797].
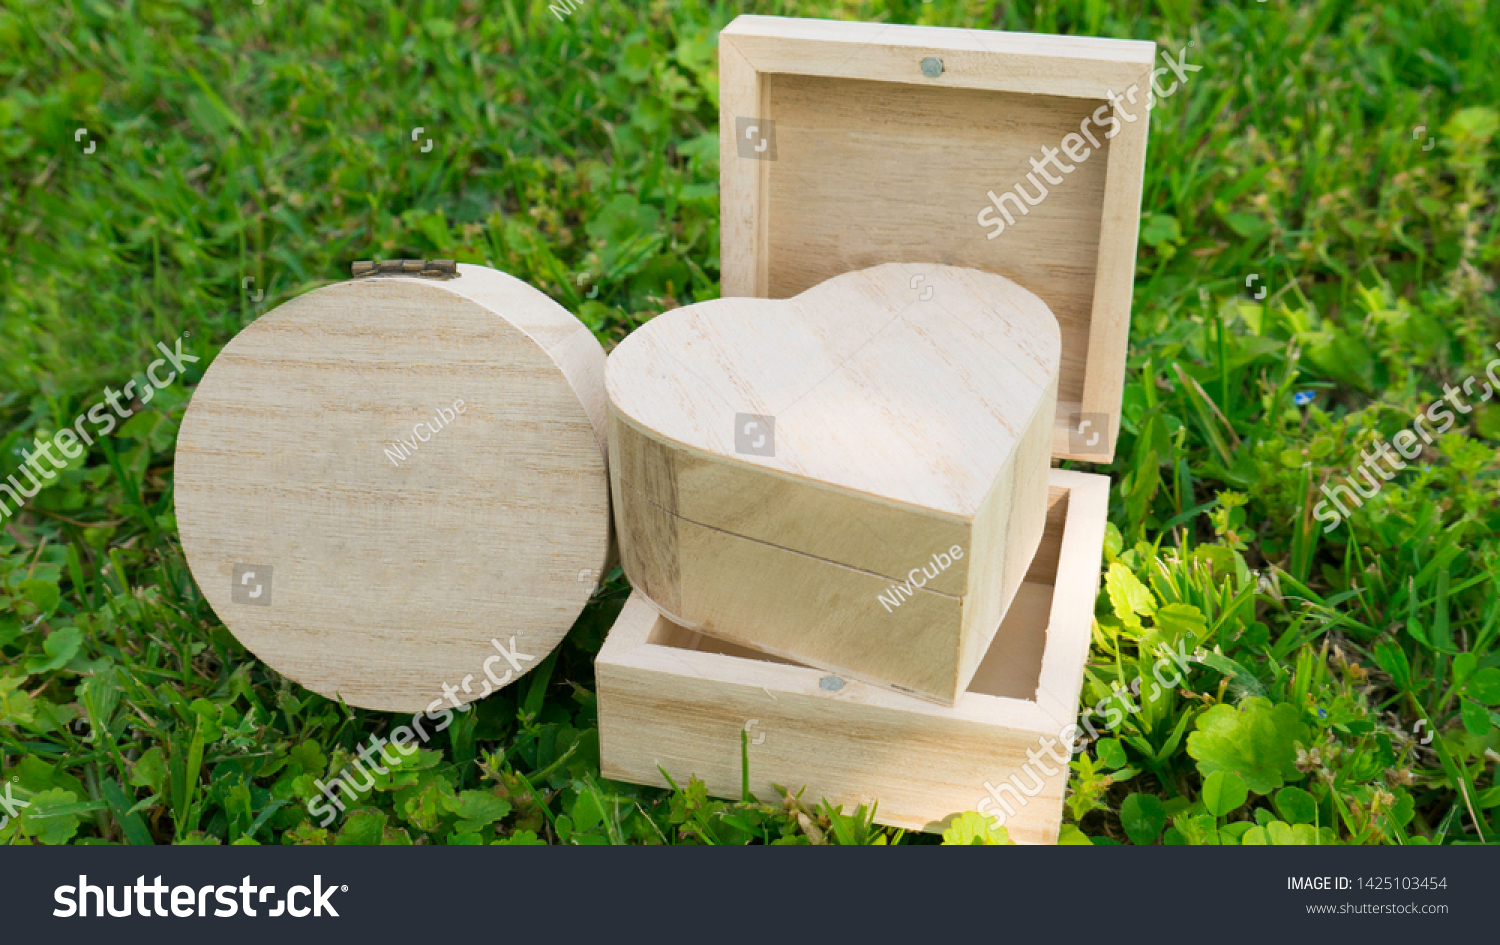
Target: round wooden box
[393, 490]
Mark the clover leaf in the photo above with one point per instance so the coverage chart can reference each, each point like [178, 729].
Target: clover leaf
[1256, 741]
[973, 829]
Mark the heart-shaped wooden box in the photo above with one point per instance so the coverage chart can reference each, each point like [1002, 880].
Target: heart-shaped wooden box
[845, 146]
[393, 489]
[854, 478]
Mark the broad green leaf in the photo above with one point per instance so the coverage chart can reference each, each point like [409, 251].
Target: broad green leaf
[1197, 830]
[309, 755]
[975, 829]
[434, 802]
[479, 809]
[47, 820]
[1257, 741]
[1484, 686]
[1463, 667]
[1417, 631]
[1110, 752]
[1143, 818]
[1296, 805]
[150, 770]
[60, 646]
[1177, 621]
[362, 828]
[1392, 659]
[1224, 791]
[1475, 124]
[1159, 228]
[1127, 595]
[43, 594]
[1282, 834]
[1235, 832]
[1476, 717]
[587, 814]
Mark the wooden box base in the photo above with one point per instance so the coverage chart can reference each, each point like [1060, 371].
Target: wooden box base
[674, 701]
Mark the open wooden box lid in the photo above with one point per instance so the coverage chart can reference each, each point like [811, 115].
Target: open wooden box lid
[838, 151]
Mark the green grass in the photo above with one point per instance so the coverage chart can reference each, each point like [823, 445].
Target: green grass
[272, 142]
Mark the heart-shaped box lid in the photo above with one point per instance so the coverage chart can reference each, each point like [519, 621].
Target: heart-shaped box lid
[905, 384]
[846, 145]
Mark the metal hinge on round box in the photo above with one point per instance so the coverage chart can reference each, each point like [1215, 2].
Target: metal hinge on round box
[851, 146]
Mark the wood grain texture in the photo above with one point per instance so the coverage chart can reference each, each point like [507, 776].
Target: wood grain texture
[912, 415]
[1029, 63]
[877, 163]
[395, 567]
[674, 700]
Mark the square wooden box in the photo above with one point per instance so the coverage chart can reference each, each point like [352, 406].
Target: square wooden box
[867, 144]
[674, 701]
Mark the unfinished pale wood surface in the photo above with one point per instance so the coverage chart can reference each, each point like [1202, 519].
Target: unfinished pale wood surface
[674, 700]
[393, 572]
[912, 414]
[1030, 63]
[878, 163]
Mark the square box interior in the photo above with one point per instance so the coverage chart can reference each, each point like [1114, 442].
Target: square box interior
[866, 159]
